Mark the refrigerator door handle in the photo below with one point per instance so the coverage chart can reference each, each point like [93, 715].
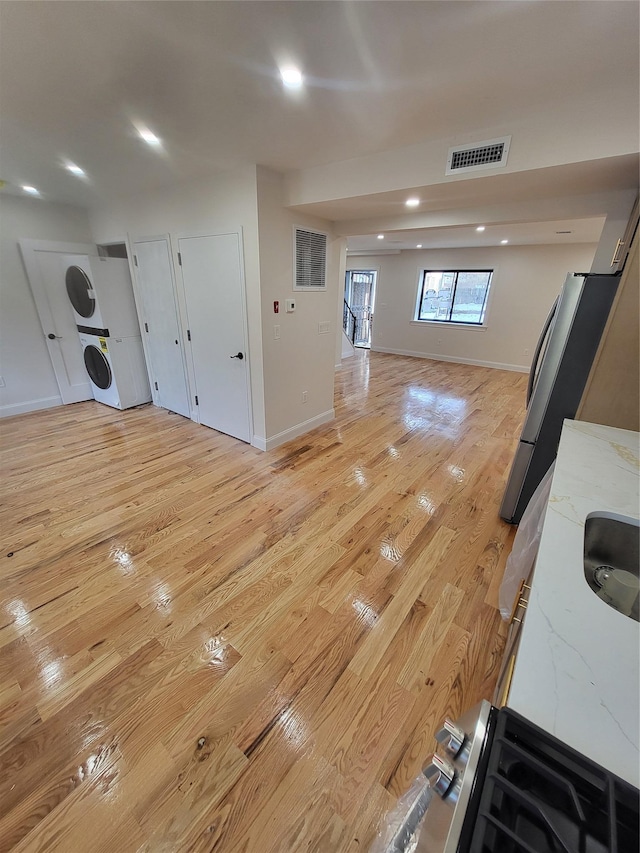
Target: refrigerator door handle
[539, 346]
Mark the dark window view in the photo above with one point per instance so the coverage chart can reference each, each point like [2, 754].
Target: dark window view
[454, 296]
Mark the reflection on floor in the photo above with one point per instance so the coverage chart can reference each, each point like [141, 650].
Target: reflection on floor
[207, 647]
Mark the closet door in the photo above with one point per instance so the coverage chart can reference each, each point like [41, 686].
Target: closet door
[215, 299]
[160, 324]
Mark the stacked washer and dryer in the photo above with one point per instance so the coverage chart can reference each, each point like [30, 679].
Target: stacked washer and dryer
[101, 297]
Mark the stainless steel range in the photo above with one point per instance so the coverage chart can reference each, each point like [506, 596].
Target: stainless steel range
[499, 784]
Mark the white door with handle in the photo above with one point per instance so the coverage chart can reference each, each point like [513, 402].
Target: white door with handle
[160, 324]
[214, 291]
[45, 266]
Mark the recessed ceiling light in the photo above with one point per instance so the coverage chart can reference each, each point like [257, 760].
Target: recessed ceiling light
[31, 190]
[149, 137]
[291, 77]
[76, 170]
[419, 246]
[504, 241]
[480, 228]
[412, 202]
[380, 236]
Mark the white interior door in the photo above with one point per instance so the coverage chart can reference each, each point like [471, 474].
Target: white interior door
[45, 268]
[215, 301]
[160, 324]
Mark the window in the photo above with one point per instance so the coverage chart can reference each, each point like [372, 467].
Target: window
[453, 296]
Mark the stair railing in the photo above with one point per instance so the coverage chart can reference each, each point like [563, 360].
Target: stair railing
[349, 322]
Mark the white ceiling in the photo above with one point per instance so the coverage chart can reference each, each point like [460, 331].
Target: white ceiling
[76, 77]
[574, 179]
[517, 233]
[571, 182]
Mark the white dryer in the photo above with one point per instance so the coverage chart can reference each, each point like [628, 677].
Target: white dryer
[101, 295]
[117, 370]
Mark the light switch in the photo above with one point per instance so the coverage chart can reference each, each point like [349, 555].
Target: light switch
[324, 327]
[276, 333]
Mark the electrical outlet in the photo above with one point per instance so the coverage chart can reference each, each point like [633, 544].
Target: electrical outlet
[276, 333]
[304, 396]
[526, 352]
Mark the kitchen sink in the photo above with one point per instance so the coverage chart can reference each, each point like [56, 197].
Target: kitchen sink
[611, 560]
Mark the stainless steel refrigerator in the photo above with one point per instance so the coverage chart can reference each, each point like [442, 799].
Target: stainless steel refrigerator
[559, 373]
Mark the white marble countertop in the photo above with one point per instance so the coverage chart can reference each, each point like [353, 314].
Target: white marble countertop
[577, 673]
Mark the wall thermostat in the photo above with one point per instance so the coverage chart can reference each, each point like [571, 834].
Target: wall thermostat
[291, 306]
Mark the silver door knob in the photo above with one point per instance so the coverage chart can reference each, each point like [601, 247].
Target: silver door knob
[440, 774]
[451, 738]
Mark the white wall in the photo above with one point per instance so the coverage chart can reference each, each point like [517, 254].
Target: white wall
[525, 282]
[302, 359]
[543, 138]
[227, 201]
[25, 365]
[342, 268]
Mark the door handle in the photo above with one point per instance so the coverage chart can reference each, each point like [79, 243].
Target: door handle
[239, 355]
[52, 337]
[617, 253]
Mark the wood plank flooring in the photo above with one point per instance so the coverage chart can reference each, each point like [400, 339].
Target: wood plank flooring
[205, 647]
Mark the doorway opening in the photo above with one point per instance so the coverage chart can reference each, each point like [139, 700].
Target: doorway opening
[113, 250]
[359, 296]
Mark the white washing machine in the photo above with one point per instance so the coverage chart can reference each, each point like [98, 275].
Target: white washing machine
[101, 295]
[117, 370]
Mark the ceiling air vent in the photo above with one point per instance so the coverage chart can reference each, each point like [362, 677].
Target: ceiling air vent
[491, 154]
[310, 259]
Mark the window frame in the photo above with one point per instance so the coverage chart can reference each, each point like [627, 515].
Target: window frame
[460, 324]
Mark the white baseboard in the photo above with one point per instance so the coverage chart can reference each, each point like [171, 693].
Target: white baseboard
[518, 368]
[293, 432]
[29, 406]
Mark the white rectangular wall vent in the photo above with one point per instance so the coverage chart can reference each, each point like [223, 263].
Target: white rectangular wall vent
[490, 154]
[310, 259]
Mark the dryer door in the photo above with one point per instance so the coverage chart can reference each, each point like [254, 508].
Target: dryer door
[98, 367]
[80, 291]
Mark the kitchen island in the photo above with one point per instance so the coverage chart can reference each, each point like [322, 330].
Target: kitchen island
[578, 662]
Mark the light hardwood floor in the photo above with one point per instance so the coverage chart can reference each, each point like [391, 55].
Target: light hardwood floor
[205, 647]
